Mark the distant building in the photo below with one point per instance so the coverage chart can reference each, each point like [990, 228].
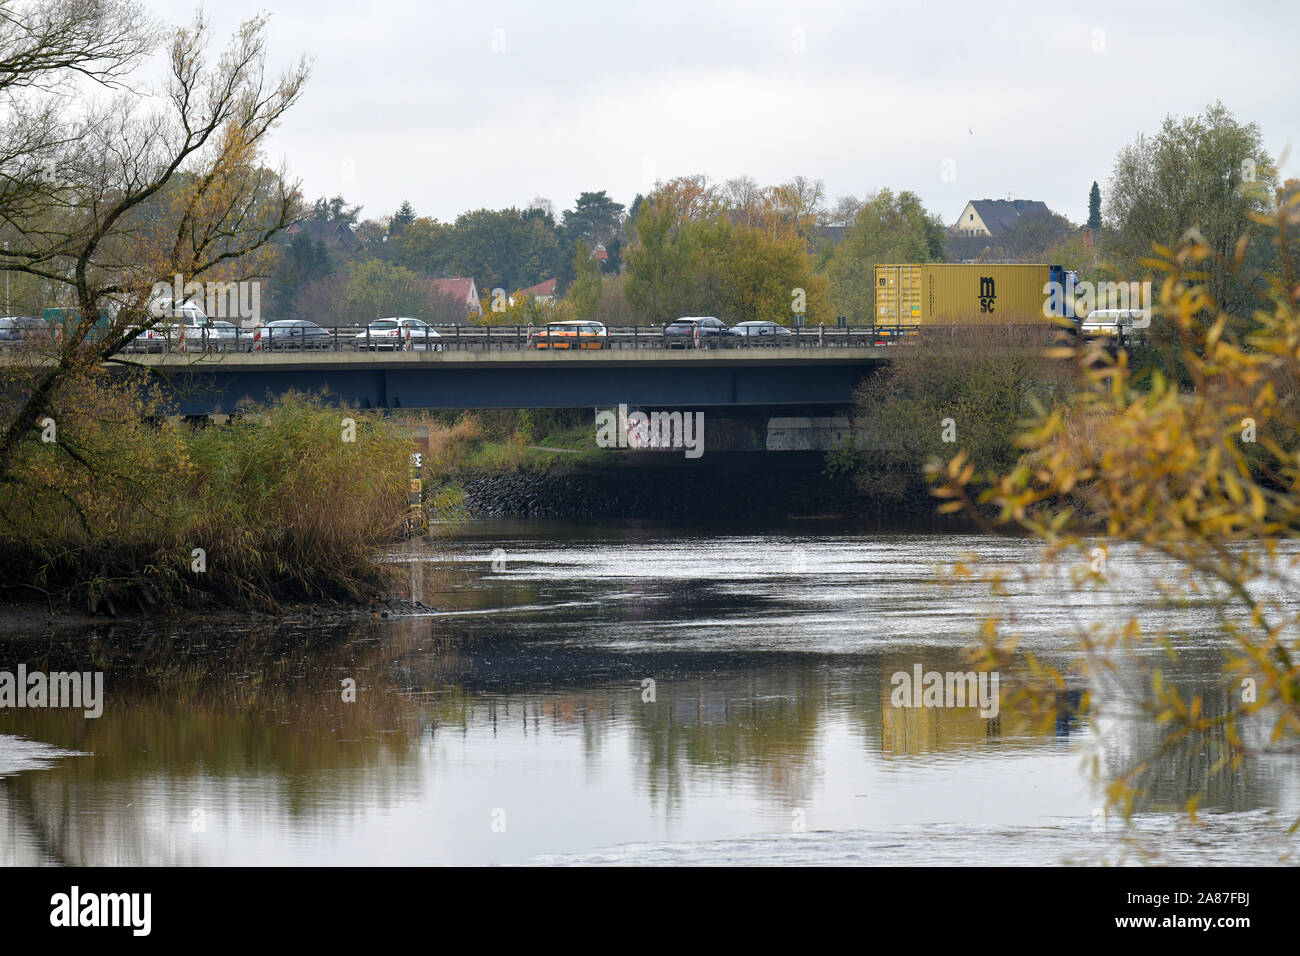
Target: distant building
[995, 218]
[543, 292]
[461, 290]
[335, 235]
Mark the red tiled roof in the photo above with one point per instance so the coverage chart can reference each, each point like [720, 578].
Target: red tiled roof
[459, 288]
[542, 288]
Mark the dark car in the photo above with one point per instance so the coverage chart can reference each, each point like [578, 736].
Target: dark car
[285, 334]
[713, 333]
[761, 333]
[17, 330]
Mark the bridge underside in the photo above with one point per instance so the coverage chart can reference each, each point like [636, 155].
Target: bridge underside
[417, 381]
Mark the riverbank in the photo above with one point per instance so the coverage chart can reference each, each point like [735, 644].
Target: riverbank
[22, 619]
[123, 511]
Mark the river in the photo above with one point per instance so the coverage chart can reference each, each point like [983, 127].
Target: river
[631, 694]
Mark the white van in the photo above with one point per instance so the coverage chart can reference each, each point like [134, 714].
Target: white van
[1129, 323]
[200, 332]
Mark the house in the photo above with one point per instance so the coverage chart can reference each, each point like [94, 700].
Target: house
[335, 235]
[543, 292]
[461, 290]
[995, 218]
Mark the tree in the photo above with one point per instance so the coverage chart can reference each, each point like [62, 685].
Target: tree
[1201, 487]
[690, 258]
[1094, 207]
[744, 199]
[334, 210]
[404, 216]
[424, 246]
[801, 202]
[594, 219]
[986, 379]
[614, 264]
[46, 48]
[844, 212]
[584, 293]
[888, 229]
[1206, 173]
[141, 197]
[504, 249]
[376, 289]
[544, 204]
[372, 232]
[302, 262]
[661, 265]
[771, 279]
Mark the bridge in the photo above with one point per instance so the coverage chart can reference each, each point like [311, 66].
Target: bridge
[215, 382]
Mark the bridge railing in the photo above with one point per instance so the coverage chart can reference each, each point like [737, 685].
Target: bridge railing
[450, 338]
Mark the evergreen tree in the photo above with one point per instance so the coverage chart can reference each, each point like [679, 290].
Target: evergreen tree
[301, 263]
[1094, 207]
[335, 210]
[404, 216]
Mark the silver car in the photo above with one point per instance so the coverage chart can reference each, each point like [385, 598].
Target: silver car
[285, 334]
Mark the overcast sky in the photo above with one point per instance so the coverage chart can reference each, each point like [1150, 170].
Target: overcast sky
[489, 104]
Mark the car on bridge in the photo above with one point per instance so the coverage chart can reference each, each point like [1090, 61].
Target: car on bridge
[286, 334]
[1126, 325]
[221, 336]
[761, 333]
[573, 334]
[399, 332]
[697, 331]
[24, 331]
[187, 326]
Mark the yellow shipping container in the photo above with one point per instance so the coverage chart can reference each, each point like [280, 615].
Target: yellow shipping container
[958, 294]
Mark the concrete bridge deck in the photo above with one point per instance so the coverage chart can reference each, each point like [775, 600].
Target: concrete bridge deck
[211, 382]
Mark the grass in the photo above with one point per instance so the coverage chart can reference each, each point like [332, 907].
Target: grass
[512, 440]
[120, 513]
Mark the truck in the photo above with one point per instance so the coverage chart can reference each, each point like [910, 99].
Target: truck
[938, 293]
[56, 316]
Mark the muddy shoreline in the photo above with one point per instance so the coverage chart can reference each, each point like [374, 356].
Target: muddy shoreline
[24, 619]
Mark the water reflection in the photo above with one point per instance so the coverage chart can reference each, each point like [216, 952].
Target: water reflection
[519, 723]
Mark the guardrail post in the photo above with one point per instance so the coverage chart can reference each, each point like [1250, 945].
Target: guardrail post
[518, 335]
[458, 338]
